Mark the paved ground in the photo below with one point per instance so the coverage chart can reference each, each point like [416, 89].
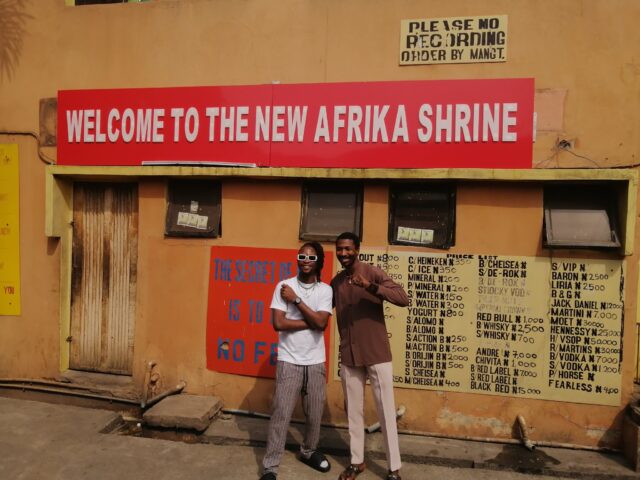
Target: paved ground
[45, 441]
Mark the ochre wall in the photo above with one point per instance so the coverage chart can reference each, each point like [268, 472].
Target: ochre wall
[491, 217]
[583, 56]
[164, 43]
[29, 342]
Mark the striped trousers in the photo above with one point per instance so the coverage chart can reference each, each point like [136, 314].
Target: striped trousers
[294, 381]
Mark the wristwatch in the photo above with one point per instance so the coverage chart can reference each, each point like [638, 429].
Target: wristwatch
[297, 301]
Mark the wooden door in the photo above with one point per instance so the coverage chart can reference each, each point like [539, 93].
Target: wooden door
[103, 278]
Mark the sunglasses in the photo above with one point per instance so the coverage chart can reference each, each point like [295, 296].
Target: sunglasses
[302, 257]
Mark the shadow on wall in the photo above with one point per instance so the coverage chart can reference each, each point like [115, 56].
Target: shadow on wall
[13, 19]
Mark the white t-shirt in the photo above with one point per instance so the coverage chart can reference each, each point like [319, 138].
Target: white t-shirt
[302, 347]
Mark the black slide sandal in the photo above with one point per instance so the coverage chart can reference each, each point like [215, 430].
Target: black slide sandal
[315, 461]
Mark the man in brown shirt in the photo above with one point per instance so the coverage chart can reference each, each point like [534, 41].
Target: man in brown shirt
[358, 292]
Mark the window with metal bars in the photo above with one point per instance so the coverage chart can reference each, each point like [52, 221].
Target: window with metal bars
[422, 214]
[330, 208]
[194, 208]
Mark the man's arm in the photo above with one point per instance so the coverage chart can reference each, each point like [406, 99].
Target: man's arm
[283, 324]
[315, 320]
[383, 287]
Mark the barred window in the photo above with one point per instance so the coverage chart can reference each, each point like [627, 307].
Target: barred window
[330, 208]
[194, 208]
[422, 214]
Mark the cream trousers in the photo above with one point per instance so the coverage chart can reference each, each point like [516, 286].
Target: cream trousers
[353, 383]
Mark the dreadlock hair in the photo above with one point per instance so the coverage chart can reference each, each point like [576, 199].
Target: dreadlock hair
[320, 252]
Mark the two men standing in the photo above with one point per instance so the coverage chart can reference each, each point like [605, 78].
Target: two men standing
[358, 295]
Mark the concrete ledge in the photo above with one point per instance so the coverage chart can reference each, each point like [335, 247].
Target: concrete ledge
[419, 449]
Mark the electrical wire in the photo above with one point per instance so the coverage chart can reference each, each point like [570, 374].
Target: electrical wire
[564, 146]
[41, 155]
[568, 150]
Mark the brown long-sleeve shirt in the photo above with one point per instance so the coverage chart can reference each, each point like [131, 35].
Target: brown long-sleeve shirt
[360, 315]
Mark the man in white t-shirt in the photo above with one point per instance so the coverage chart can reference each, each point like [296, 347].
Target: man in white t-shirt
[300, 308]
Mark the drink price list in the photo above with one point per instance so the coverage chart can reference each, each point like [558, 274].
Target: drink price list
[517, 326]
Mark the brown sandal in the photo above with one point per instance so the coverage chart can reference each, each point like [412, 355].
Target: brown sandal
[352, 471]
[394, 475]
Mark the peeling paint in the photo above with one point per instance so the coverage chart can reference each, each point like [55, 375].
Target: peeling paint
[448, 419]
[603, 434]
[595, 432]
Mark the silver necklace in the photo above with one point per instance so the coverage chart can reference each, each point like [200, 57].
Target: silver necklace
[307, 289]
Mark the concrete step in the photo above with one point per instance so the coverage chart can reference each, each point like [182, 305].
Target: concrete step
[193, 412]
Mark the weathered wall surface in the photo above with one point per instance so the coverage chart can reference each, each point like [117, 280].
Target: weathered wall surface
[584, 58]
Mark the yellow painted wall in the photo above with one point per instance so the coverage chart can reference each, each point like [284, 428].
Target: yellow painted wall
[584, 58]
[491, 217]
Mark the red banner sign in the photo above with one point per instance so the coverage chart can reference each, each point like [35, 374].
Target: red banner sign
[412, 124]
[240, 336]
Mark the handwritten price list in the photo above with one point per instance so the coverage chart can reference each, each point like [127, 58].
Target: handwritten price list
[517, 326]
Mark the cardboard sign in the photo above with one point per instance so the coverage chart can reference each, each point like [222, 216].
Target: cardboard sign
[453, 40]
